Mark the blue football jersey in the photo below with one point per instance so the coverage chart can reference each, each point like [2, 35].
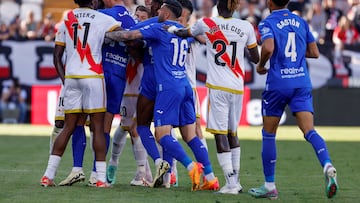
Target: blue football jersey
[115, 57]
[291, 35]
[169, 53]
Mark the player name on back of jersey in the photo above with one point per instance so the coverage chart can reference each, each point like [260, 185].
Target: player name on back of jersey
[288, 22]
[85, 15]
[226, 27]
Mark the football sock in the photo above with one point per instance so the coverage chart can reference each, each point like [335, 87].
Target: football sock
[139, 152]
[319, 146]
[119, 141]
[235, 159]
[203, 141]
[268, 155]
[101, 170]
[148, 141]
[167, 157]
[78, 146]
[52, 166]
[225, 163]
[201, 154]
[175, 150]
[270, 185]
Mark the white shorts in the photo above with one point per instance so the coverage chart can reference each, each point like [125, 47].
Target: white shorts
[128, 111]
[59, 113]
[86, 95]
[224, 112]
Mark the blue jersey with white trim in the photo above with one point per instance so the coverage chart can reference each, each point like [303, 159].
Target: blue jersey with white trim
[115, 57]
[170, 53]
[291, 34]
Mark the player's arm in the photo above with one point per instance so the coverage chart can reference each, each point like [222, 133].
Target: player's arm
[312, 50]
[267, 50]
[124, 35]
[58, 54]
[254, 54]
[181, 32]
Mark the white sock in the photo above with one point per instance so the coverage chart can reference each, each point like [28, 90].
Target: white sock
[235, 158]
[326, 167]
[158, 161]
[190, 166]
[53, 164]
[119, 141]
[225, 163]
[270, 186]
[210, 176]
[76, 169]
[100, 171]
[140, 153]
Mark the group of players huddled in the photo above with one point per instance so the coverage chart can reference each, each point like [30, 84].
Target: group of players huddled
[144, 69]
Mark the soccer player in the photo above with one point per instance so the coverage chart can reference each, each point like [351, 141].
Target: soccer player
[81, 35]
[78, 141]
[286, 42]
[226, 41]
[144, 108]
[174, 94]
[134, 73]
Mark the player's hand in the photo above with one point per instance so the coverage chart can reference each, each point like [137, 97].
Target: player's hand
[171, 28]
[107, 40]
[261, 70]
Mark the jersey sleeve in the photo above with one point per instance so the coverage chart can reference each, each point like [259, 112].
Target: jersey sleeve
[151, 31]
[197, 28]
[61, 35]
[251, 42]
[265, 30]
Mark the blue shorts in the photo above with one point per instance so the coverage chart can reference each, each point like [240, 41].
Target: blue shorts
[174, 107]
[148, 84]
[275, 101]
[115, 86]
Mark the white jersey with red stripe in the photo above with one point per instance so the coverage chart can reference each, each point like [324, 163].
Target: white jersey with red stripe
[226, 39]
[134, 72]
[82, 33]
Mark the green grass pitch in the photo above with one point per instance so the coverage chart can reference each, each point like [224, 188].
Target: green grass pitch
[24, 151]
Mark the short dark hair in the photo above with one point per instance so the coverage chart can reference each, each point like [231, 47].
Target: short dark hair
[174, 6]
[83, 2]
[281, 3]
[187, 4]
[143, 9]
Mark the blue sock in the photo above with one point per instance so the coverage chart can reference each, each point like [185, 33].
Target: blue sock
[201, 154]
[268, 155]
[78, 146]
[107, 140]
[167, 157]
[175, 150]
[319, 146]
[148, 140]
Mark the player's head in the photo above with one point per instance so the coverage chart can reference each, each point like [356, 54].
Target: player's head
[187, 9]
[170, 10]
[142, 13]
[278, 3]
[98, 4]
[227, 7]
[84, 3]
[155, 6]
